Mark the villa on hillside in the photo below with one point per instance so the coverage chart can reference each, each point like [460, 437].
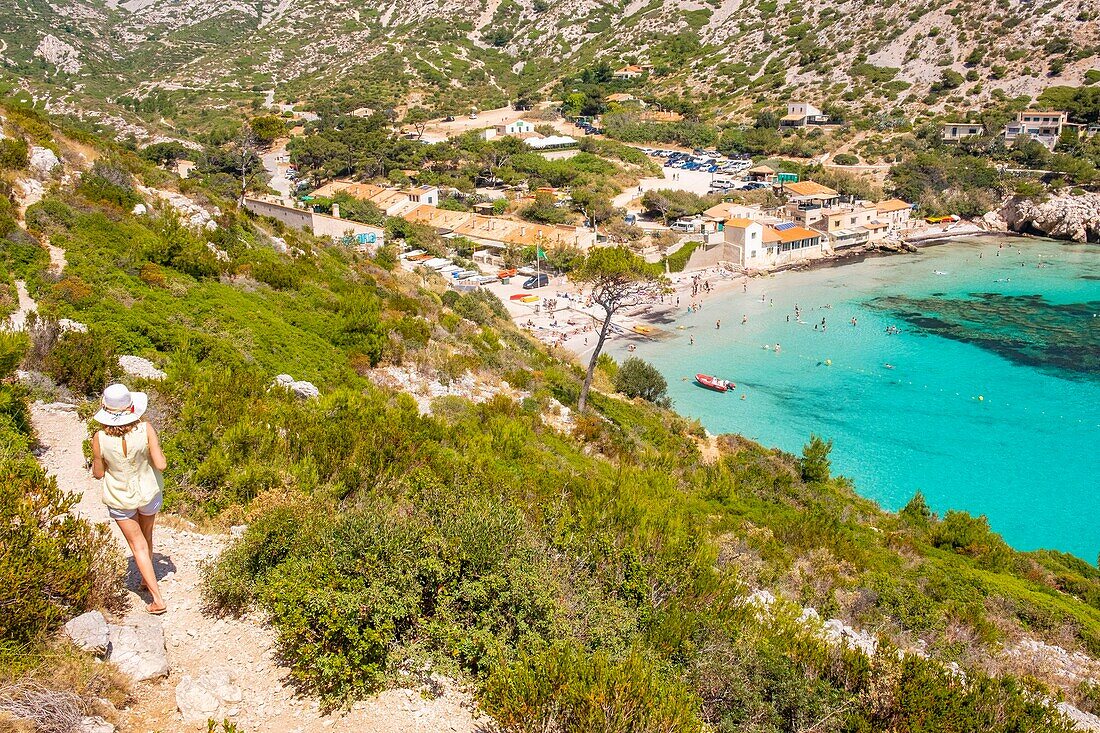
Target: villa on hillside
[392, 201]
[953, 132]
[631, 71]
[1043, 127]
[800, 114]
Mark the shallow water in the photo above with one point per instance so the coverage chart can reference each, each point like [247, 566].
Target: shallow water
[990, 402]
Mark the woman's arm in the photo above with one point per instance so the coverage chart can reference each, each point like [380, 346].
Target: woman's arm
[156, 455]
[98, 467]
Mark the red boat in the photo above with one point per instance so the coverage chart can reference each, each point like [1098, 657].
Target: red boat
[718, 385]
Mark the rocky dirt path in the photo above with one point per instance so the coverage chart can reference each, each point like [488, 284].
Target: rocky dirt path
[226, 667]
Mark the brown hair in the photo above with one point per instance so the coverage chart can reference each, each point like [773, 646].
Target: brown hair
[119, 431]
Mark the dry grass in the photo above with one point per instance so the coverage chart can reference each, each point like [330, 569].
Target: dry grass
[51, 710]
[57, 683]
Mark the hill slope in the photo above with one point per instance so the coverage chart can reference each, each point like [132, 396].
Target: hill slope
[168, 58]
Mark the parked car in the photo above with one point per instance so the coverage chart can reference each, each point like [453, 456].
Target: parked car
[449, 118]
[536, 281]
[682, 226]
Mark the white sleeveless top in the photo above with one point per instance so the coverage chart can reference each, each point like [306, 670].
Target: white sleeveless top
[130, 480]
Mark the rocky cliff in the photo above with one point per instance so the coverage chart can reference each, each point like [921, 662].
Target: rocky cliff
[1076, 218]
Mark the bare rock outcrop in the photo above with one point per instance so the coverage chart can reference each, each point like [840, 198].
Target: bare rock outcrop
[55, 51]
[43, 161]
[1076, 218]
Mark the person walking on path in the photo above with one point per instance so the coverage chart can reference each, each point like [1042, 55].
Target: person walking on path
[127, 455]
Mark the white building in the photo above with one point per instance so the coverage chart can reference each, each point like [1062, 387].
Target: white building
[516, 127]
[800, 114]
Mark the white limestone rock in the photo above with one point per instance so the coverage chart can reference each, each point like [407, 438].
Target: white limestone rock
[138, 651]
[43, 161]
[55, 51]
[138, 367]
[139, 209]
[1076, 218]
[94, 724]
[303, 389]
[207, 695]
[88, 631]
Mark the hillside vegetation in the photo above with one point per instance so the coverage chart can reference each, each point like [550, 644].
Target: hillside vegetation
[588, 573]
[179, 61]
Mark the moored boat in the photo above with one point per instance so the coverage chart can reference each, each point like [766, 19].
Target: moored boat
[715, 383]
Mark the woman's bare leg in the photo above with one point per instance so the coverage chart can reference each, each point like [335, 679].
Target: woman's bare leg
[147, 523]
[132, 531]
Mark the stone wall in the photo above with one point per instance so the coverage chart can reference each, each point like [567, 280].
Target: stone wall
[321, 225]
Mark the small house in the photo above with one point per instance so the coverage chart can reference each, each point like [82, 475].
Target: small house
[631, 71]
[953, 132]
[516, 127]
[800, 114]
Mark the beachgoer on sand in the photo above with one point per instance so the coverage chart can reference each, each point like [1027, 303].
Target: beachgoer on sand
[126, 454]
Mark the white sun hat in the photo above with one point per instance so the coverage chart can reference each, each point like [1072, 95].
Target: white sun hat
[120, 406]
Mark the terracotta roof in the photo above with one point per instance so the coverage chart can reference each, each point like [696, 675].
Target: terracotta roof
[794, 117]
[770, 236]
[762, 169]
[739, 223]
[892, 205]
[809, 188]
[792, 234]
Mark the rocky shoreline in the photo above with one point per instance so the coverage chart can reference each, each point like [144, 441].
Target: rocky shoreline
[1075, 218]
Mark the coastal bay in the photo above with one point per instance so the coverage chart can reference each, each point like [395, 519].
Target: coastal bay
[986, 399]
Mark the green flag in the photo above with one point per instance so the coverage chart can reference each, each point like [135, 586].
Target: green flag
[540, 253]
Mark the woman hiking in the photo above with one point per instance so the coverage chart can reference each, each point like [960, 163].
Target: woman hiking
[126, 454]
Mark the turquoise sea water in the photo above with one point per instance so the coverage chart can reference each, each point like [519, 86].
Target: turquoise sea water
[993, 402]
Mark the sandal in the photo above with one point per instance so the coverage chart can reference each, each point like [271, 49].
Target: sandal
[155, 611]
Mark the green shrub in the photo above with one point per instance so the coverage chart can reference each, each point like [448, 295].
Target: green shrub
[570, 689]
[13, 347]
[53, 565]
[967, 535]
[14, 154]
[845, 159]
[815, 460]
[85, 362]
[111, 183]
[638, 378]
[678, 260]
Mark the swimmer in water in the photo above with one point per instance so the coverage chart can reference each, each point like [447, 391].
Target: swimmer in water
[888, 365]
[744, 319]
[854, 320]
[777, 348]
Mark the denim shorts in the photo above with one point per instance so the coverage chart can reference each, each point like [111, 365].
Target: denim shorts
[146, 511]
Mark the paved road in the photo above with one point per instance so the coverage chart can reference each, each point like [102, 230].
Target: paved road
[277, 170]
